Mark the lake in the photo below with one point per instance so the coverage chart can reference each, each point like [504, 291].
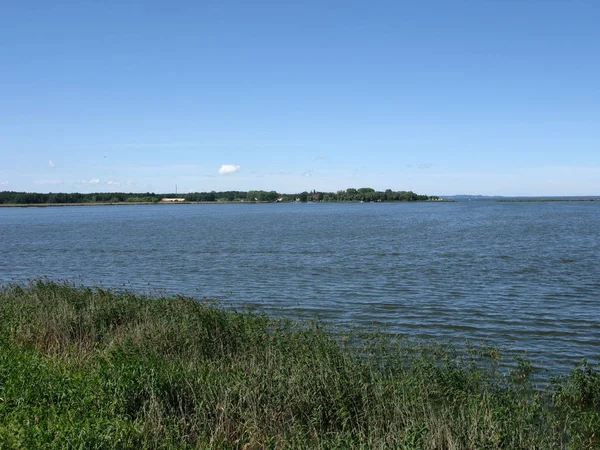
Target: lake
[522, 276]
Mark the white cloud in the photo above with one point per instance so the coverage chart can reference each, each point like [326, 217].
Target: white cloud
[48, 181]
[308, 174]
[3, 183]
[320, 157]
[51, 164]
[92, 181]
[228, 168]
[113, 183]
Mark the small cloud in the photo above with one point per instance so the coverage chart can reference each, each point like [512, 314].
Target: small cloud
[48, 181]
[3, 183]
[113, 183]
[320, 157]
[92, 181]
[51, 164]
[425, 166]
[285, 172]
[308, 174]
[228, 168]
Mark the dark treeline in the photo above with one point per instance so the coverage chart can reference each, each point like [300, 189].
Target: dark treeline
[30, 198]
[349, 195]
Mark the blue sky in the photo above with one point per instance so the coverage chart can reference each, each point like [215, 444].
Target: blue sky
[439, 97]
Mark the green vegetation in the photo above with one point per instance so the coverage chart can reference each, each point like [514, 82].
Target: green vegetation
[34, 198]
[90, 368]
[349, 195]
[143, 199]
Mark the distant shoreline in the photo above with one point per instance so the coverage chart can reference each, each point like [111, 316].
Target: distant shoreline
[46, 205]
[515, 200]
[538, 200]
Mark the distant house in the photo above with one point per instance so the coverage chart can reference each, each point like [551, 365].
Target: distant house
[172, 200]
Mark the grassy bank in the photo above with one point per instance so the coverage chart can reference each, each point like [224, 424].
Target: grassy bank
[88, 368]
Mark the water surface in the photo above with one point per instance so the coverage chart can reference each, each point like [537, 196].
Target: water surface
[522, 276]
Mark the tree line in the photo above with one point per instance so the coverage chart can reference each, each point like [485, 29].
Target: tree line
[348, 195]
[32, 198]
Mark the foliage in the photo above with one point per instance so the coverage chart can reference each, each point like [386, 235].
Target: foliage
[349, 195]
[140, 199]
[92, 368]
[30, 198]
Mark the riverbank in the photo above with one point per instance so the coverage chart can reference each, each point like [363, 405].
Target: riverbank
[46, 205]
[90, 368]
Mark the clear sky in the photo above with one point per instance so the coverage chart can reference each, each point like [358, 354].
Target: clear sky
[439, 97]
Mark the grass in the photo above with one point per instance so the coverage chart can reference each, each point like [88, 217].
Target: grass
[91, 369]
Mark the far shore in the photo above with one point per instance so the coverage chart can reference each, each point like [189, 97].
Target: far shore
[45, 205]
[538, 200]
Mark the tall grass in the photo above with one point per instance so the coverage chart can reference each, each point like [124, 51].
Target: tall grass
[91, 368]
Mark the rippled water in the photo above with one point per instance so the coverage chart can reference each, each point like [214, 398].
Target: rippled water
[522, 276]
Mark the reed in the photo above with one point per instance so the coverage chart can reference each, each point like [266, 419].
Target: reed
[93, 368]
